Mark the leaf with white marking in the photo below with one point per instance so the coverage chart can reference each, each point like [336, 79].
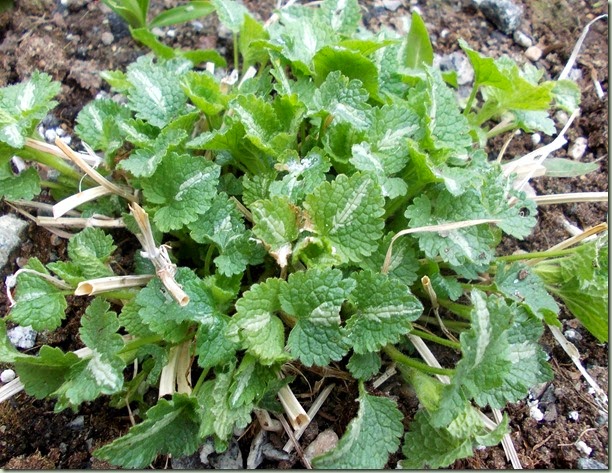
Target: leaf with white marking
[385, 307]
[347, 213]
[184, 187]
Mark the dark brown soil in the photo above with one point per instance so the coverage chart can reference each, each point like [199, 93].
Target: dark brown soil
[66, 42]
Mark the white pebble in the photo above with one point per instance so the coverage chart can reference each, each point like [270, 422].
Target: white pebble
[392, 5]
[583, 447]
[324, 442]
[197, 25]
[7, 376]
[22, 337]
[533, 53]
[536, 138]
[522, 39]
[171, 33]
[574, 415]
[578, 148]
[50, 135]
[534, 411]
[107, 38]
[561, 117]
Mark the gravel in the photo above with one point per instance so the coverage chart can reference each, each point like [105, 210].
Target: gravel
[11, 233]
[505, 14]
[22, 337]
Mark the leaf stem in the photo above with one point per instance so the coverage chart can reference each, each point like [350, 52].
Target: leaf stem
[458, 309]
[47, 159]
[399, 357]
[470, 100]
[434, 338]
[535, 255]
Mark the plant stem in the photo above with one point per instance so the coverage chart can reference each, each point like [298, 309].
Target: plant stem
[502, 129]
[208, 259]
[452, 325]
[139, 342]
[52, 161]
[470, 101]
[458, 309]
[52, 185]
[482, 287]
[399, 357]
[535, 255]
[434, 338]
[199, 382]
[236, 58]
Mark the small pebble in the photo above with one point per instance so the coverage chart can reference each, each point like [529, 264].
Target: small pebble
[392, 5]
[583, 447]
[77, 423]
[578, 148]
[522, 39]
[535, 412]
[561, 117]
[7, 376]
[536, 138]
[157, 31]
[590, 464]
[231, 459]
[22, 337]
[50, 135]
[171, 33]
[533, 53]
[551, 413]
[207, 449]
[574, 415]
[324, 442]
[197, 25]
[572, 334]
[505, 14]
[107, 38]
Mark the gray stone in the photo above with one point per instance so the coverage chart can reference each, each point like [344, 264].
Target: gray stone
[590, 464]
[107, 38]
[392, 5]
[189, 462]
[256, 456]
[578, 148]
[522, 39]
[11, 231]
[533, 53]
[457, 62]
[22, 337]
[77, 423]
[505, 14]
[207, 450]
[324, 442]
[231, 459]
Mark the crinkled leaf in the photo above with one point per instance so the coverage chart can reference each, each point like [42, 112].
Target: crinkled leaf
[351, 64]
[348, 213]
[156, 94]
[250, 383]
[204, 91]
[212, 346]
[369, 438]
[43, 374]
[255, 325]
[25, 185]
[171, 427]
[276, 224]
[426, 446]
[184, 186]
[566, 94]
[344, 99]
[535, 120]
[404, 263]
[231, 14]
[90, 250]
[364, 366]
[23, 105]
[39, 303]
[302, 176]
[384, 309]
[98, 124]
[314, 297]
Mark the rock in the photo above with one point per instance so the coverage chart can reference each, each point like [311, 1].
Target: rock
[548, 396]
[574, 415]
[324, 442]
[457, 62]
[77, 423]
[119, 28]
[536, 138]
[578, 148]
[533, 53]
[11, 231]
[22, 337]
[551, 413]
[590, 464]
[522, 39]
[256, 456]
[188, 462]
[561, 117]
[272, 453]
[7, 376]
[583, 447]
[504, 14]
[231, 459]
[107, 38]
[207, 449]
[392, 5]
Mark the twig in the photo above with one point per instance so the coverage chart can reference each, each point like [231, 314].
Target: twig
[570, 198]
[390, 371]
[298, 447]
[312, 412]
[572, 59]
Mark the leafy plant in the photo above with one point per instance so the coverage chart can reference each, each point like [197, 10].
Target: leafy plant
[136, 12]
[313, 212]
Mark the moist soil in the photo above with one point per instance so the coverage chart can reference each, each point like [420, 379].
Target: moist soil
[76, 41]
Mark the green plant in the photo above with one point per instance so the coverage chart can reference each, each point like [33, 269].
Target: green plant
[315, 210]
[136, 12]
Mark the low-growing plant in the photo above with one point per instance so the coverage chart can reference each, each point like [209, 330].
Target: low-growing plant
[331, 206]
[136, 12]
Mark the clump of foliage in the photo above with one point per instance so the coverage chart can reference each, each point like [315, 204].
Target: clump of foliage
[314, 210]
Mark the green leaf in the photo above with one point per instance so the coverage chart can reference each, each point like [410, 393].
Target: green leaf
[251, 31]
[98, 124]
[213, 348]
[349, 63]
[342, 15]
[103, 372]
[348, 213]
[581, 281]
[369, 438]
[8, 353]
[418, 45]
[566, 94]
[344, 99]
[486, 71]
[184, 186]
[301, 176]
[25, 185]
[39, 303]
[276, 224]
[204, 91]
[404, 263]
[535, 120]
[560, 167]
[363, 367]
[231, 14]
[134, 12]
[518, 282]
[25, 104]
[90, 250]
[426, 446]
[251, 381]
[314, 298]
[130, 319]
[182, 14]
[385, 307]
[255, 325]
[143, 162]
[156, 94]
[43, 374]
[171, 427]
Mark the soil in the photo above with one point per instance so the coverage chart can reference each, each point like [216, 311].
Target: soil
[72, 42]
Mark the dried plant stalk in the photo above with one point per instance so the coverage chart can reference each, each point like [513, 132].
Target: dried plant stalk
[69, 203]
[97, 286]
